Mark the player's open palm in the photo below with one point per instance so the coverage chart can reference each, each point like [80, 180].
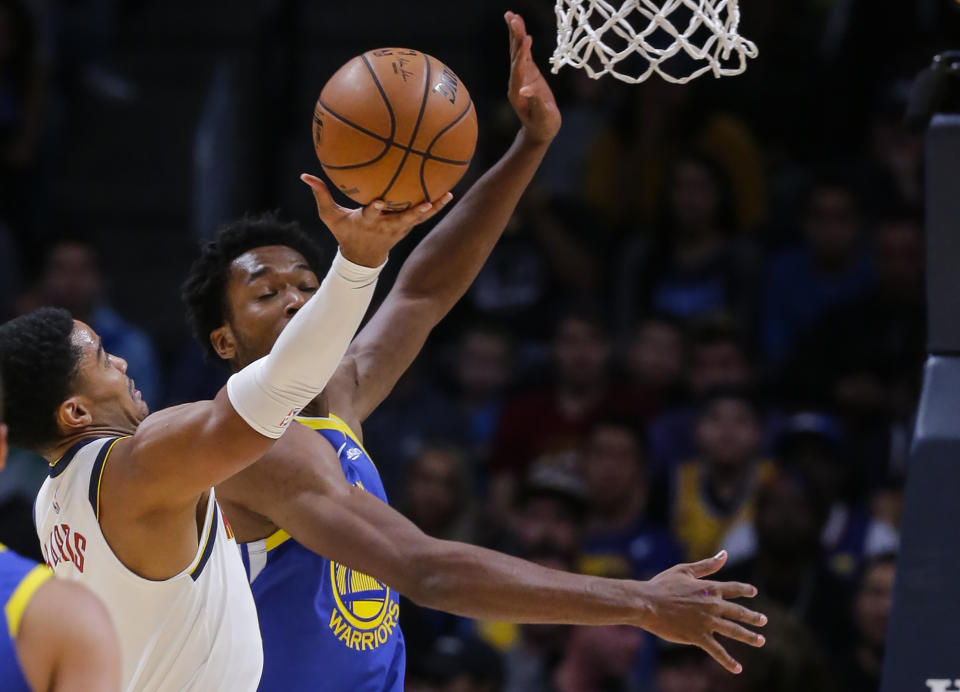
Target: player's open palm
[528, 91]
[687, 609]
[367, 234]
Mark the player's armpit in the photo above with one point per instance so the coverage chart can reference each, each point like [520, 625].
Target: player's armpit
[67, 642]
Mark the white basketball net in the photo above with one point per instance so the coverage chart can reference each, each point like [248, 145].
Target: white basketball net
[630, 28]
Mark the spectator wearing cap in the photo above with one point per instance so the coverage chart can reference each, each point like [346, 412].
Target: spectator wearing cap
[717, 489]
[620, 538]
[547, 529]
[812, 443]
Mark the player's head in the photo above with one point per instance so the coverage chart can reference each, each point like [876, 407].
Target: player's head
[59, 381]
[247, 284]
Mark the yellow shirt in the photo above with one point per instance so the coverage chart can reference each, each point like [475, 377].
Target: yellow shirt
[698, 525]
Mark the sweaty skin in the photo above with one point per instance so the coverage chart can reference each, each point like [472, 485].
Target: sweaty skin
[299, 485]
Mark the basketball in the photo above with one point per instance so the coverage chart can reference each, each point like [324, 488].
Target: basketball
[394, 124]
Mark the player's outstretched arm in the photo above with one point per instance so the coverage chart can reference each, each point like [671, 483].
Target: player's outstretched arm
[446, 262]
[180, 452]
[67, 642]
[306, 493]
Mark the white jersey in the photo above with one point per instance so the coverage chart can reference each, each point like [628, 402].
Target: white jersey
[196, 631]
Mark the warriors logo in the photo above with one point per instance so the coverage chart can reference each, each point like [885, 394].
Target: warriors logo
[365, 616]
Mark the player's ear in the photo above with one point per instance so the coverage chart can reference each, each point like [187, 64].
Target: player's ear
[223, 342]
[3, 445]
[74, 414]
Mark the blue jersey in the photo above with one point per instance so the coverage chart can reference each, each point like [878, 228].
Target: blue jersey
[19, 580]
[325, 626]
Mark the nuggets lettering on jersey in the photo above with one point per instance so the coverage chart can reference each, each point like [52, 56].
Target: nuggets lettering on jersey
[196, 631]
[347, 621]
[64, 544]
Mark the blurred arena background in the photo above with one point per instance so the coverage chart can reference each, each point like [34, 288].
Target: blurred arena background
[719, 286]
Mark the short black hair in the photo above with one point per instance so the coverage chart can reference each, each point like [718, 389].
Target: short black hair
[38, 363]
[745, 395]
[620, 420]
[204, 290]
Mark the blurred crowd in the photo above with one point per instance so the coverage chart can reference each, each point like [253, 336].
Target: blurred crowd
[703, 329]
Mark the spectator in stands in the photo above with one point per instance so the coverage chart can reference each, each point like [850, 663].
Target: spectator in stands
[482, 373]
[789, 566]
[22, 96]
[72, 279]
[719, 357]
[600, 659]
[829, 269]
[553, 419]
[620, 538]
[865, 360]
[456, 664]
[547, 530]
[693, 268]
[860, 671]
[812, 444]
[655, 359]
[682, 669]
[439, 497]
[717, 489]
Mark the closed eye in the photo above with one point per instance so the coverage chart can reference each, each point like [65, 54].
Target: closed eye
[267, 295]
[309, 289]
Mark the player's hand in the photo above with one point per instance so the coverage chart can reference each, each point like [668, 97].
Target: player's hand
[366, 235]
[686, 609]
[528, 91]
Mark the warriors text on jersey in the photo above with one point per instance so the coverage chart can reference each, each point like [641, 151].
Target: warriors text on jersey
[195, 631]
[19, 580]
[325, 627]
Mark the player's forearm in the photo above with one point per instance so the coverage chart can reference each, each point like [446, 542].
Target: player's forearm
[270, 391]
[446, 262]
[484, 584]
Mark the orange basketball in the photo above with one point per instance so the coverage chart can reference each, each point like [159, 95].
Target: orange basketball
[394, 124]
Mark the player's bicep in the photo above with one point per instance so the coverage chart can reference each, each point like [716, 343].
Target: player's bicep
[180, 452]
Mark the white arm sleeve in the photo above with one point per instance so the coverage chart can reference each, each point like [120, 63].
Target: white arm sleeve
[269, 392]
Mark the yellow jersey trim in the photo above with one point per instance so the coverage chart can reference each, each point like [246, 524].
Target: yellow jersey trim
[333, 422]
[102, 467]
[276, 539]
[17, 603]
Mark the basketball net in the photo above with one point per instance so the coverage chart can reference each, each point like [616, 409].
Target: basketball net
[656, 31]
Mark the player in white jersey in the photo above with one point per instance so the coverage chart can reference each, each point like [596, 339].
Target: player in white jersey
[129, 508]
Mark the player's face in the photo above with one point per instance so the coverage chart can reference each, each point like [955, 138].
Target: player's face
[102, 388]
[265, 288]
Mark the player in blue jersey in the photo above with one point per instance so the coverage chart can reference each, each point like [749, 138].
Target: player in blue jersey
[56, 635]
[312, 514]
